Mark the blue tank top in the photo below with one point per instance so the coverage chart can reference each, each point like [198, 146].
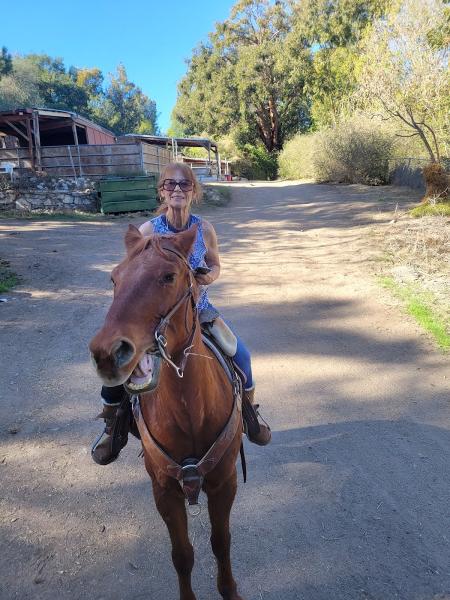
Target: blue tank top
[197, 256]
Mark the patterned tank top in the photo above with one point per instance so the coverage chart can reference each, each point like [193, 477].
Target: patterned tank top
[197, 256]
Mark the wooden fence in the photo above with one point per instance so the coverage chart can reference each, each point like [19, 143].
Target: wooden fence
[91, 160]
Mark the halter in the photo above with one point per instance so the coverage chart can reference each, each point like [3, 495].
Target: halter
[160, 338]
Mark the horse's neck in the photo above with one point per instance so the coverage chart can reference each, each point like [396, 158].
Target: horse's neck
[191, 410]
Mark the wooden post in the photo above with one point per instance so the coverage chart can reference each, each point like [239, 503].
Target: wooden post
[30, 144]
[141, 147]
[219, 165]
[75, 134]
[37, 139]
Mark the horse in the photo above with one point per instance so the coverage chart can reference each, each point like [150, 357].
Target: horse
[187, 410]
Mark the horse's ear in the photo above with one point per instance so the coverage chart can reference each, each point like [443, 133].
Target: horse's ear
[132, 237]
[185, 240]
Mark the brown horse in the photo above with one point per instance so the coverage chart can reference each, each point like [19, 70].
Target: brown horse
[151, 340]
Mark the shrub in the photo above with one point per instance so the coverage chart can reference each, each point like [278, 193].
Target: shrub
[296, 160]
[437, 182]
[256, 163]
[355, 151]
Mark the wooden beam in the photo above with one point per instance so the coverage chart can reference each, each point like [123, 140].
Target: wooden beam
[16, 129]
[54, 125]
[75, 134]
[37, 139]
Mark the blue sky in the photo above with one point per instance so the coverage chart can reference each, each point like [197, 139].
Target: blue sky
[151, 38]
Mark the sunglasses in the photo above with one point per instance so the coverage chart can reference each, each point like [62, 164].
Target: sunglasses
[170, 184]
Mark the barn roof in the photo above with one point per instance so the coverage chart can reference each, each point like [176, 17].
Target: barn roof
[49, 119]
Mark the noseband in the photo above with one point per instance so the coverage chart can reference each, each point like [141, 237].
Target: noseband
[160, 330]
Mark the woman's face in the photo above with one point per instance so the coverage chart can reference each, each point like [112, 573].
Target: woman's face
[175, 197]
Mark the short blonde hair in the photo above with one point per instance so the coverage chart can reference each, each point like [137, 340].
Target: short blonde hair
[188, 174]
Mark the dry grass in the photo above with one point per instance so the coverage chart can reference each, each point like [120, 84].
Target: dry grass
[422, 243]
[418, 261]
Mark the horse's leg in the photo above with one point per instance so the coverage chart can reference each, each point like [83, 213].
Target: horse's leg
[170, 505]
[220, 501]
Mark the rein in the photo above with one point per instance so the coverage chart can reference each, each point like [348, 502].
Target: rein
[160, 331]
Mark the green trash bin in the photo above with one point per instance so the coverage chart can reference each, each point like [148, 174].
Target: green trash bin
[127, 194]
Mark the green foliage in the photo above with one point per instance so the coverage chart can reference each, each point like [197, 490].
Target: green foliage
[256, 163]
[354, 151]
[195, 152]
[422, 307]
[274, 69]
[333, 30]
[245, 80]
[20, 88]
[125, 108]
[8, 279]
[5, 62]
[296, 160]
[42, 81]
[404, 73]
[439, 209]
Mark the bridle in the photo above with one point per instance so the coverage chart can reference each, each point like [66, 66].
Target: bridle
[160, 330]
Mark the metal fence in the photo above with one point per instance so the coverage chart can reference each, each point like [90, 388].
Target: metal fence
[408, 171]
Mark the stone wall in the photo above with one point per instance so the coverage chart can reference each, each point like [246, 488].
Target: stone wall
[52, 194]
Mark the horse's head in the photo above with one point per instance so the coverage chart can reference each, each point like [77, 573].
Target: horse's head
[148, 283]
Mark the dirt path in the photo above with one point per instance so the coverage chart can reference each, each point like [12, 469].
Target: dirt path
[349, 502]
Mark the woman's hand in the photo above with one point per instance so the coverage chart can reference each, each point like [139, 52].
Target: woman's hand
[204, 279]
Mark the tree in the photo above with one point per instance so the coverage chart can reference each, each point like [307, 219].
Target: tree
[5, 62]
[125, 108]
[404, 74]
[20, 88]
[245, 80]
[332, 29]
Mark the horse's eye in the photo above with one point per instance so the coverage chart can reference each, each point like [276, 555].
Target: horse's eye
[168, 278]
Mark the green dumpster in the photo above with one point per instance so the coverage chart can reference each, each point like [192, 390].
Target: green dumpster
[127, 194]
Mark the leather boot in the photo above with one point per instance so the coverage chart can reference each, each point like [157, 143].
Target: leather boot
[114, 437]
[257, 432]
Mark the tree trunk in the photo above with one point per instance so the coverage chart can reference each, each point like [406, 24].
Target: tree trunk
[274, 124]
[264, 128]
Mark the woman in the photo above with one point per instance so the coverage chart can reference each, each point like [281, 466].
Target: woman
[178, 189]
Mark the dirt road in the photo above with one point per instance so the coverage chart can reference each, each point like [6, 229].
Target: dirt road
[349, 502]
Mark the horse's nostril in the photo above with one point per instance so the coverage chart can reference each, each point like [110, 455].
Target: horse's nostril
[123, 353]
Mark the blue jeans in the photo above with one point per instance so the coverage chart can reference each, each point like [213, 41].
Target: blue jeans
[243, 360]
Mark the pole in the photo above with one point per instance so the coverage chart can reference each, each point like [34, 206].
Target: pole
[37, 139]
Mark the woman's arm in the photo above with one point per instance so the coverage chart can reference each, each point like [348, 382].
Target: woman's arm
[212, 258]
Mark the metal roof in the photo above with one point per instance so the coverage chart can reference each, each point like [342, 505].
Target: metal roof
[55, 113]
[160, 140]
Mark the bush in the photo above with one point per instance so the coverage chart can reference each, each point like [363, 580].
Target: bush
[256, 163]
[437, 182]
[354, 152]
[296, 160]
